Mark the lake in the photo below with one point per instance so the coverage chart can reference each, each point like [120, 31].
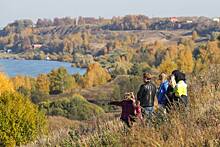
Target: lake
[33, 68]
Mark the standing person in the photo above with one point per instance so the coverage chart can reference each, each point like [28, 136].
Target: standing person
[146, 94]
[128, 108]
[176, 73]
[170, 97]
[180, 90]
[161, 94]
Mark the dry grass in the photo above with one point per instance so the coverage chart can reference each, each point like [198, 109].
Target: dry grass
[59, 128]
[198, 126]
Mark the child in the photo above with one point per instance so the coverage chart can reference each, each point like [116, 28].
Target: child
[138, 111]
[128, 108]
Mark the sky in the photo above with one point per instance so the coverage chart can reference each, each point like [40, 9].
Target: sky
[11, 10]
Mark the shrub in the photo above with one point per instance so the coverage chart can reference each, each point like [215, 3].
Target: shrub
[37, 97]
[76, 107]
[22, 90]
[21, 121]
[126, 84]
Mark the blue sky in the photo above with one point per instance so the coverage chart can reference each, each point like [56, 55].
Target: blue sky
[33, 9]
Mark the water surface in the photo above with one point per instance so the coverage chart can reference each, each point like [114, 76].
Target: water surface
[33, 68]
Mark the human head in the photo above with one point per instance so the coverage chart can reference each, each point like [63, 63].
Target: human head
[129, 96]
[162, 76]
[179, 75]
[146, 77]
[171, 80]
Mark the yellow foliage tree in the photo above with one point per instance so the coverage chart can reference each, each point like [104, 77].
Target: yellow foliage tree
[172, 51]
[167, 65]
[43, 84]
[194, 35]
[5, 84]
[185, 61]
[96, 75]
[22, 81]
[213, 52]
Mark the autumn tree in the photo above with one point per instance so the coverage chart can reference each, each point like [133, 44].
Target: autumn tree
[213, 52]
[121, 68]
[23, 81]
[194, 35]
[210, 54]
[96, 75]
[167, 65]
[5, 84]
[185, 60]
[43, 84]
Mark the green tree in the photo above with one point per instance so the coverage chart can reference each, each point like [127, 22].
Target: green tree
[60, 81]
[138, 69]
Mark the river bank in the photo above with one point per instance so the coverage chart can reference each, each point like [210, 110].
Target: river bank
[48, 57]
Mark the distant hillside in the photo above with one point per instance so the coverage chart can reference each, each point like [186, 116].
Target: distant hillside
[85, 40]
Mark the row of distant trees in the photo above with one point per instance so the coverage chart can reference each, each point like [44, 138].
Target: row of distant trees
[128, 22]
[71, 35]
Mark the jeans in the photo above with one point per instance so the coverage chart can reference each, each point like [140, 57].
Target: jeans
[149, 111]
[162, 108]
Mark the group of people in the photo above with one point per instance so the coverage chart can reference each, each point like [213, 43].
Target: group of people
[171, 94]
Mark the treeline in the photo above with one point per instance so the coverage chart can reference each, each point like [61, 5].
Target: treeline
[69, 35]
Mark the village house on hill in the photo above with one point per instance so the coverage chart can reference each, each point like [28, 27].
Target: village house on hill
[36, 46]
[216, 19]
[173, 19]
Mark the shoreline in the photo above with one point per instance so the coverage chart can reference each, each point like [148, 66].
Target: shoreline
[19, 56]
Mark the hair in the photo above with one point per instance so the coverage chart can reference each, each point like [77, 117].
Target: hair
[179, 75]
[163, 76]
[175, 71]
[172, 80]
[129, 95]
[147, 76]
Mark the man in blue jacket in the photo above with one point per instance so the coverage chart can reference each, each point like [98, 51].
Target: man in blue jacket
[161, 94]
